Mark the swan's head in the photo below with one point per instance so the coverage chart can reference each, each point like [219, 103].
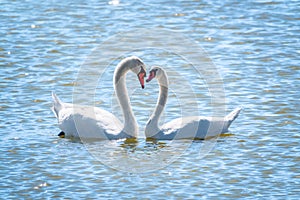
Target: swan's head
[138, 67]
[155, 72]
[160, 74]
[134, 64]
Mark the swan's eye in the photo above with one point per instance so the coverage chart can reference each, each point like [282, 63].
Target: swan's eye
[142, 71]
[152, 74]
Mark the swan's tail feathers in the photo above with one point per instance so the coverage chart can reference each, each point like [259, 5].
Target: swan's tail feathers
[233, 115]
[57, 105]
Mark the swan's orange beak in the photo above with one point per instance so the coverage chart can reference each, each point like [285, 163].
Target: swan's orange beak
[151, 76]
[141, 75]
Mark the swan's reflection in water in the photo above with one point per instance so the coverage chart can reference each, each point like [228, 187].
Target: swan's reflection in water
[145, 155]
[132, 145]
[137, 155]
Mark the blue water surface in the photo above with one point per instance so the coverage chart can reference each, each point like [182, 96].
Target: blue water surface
[255, 48]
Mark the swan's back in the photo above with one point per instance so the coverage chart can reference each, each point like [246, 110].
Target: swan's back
[89, 122]
[194, 127]
[85, 121]
[198, 127]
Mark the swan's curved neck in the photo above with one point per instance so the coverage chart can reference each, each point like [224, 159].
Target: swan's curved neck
[152, 125]
[130, 124]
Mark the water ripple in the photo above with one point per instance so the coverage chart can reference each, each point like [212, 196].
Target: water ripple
[255, 46]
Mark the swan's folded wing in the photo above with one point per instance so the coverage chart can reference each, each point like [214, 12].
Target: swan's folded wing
[194, 127]
[108, 121]
[186, 126]
[101, 120]
[89, 122]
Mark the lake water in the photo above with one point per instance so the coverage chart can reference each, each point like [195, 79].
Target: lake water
[254, 47]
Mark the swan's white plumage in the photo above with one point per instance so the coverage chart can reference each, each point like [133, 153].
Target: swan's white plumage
[87, 122]
[198, 127]
[192, 127]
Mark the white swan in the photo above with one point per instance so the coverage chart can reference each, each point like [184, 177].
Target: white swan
[193, 127]
[87, 122]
